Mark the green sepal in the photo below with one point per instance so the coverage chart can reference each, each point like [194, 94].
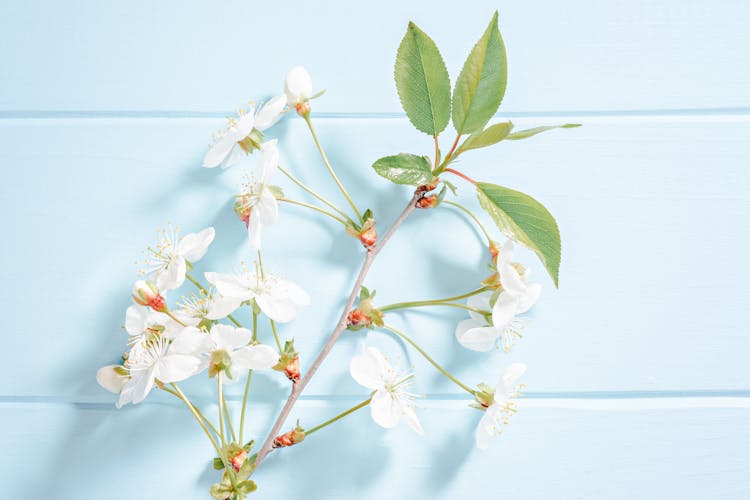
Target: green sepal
[276, 191]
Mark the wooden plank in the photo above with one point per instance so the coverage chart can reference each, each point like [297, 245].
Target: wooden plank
[556, 449]
[578, 55]
[653, 215]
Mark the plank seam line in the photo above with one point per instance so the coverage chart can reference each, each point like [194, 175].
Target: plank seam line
[161, 114]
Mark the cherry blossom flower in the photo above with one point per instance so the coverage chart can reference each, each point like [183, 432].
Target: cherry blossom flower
[142, 323]
[244, 133]
[279, 299]
[516, 297]
[207, 305]
[168, 261]
[298, 87]
[229, 349]
[156, 359]
[257, 205]
[498, 405]
[390, 399]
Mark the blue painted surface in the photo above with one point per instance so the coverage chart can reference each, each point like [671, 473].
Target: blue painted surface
[105, 110]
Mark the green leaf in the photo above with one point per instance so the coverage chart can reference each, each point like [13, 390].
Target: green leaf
[404, 168]
[422, 81]
[531, 132]
[487, 137]
[522, 218]
[481, 84]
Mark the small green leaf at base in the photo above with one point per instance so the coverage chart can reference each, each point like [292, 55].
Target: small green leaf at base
[531, 132]
[404, 168]
[522, 218]
[422, 82]
[487, 137]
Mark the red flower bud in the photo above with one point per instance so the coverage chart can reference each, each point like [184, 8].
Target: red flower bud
[303, 108]
[427, 201]
[145, 293]
[357, 319]
[368, 237]
[291, 370]
[296, 435]
[431, 186]
[238, 459]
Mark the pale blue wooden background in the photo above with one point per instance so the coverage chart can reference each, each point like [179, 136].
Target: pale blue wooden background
[638, 365]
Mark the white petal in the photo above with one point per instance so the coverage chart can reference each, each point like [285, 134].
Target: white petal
[411, 418]
[173, 276]
[267, 207]
[255, 357]
[254, 228]
[385, 411]
[504, 310]
[218, 153]
[143, 386]
[177, 367]
[480, 301]
[230, 338]
[191, 340]
[485, 430]
[220, 306]
[511, 281]
[529, 297]
[193, 246]
[231, 286]
[136, 319]
[298, 85]
[108, 378]
[269, 160]
[473, 335]
[270, 113]
[366, 370]
[507, 381]
[282, 300]
[245, 123]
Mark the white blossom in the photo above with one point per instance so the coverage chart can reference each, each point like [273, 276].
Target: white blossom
[168, 261]
[502, 407]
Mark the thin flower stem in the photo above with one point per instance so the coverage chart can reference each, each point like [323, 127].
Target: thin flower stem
[202, 289]
[313, 207]
[260, 264]
[425, 303]
[221, 412]
[228, 418]
[310, 190]
[299, 387]
[339, 416]
[330, 168]
[448, 157]
[177, 392]
[275, 334]
[472, 216]
[419, 303]
[437, 152]
[247, 383]
[428, 358]
[169, 313]
[200, 413]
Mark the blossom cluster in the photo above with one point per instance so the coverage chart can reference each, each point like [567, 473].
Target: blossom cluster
[184, 325]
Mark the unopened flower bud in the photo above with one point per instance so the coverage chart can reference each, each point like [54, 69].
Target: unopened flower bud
[357, 319]
[296, 435]
[368, 236]
[145, 293]
[303, 108]
[291, 370]
[430, 186]
[427, 201]
[238, 459]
